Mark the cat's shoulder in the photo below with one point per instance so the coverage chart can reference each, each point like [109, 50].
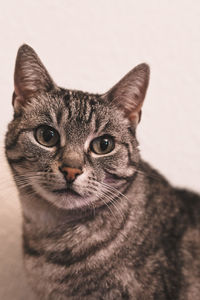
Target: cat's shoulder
[187, 199]
[189, 196]
[191, 204]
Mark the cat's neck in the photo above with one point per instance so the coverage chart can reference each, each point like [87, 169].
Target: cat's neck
[44, 216]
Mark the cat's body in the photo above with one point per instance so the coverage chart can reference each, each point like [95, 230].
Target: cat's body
[99, 223]
[120, 255]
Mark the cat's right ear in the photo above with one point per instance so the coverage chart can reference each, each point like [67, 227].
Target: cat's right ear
[30, 77]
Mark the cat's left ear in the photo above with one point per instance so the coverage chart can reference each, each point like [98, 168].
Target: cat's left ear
[129, 93]
[30, 77]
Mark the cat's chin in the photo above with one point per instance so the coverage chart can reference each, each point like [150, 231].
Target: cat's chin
[70, 199]
[67, 199]
[66, 191]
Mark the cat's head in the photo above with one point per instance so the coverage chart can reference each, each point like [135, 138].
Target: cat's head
[71, 148]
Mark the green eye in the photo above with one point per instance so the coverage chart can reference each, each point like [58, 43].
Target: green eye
[46, 136]
[102, 145]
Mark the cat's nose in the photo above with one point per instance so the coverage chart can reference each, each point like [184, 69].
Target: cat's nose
[70, 173]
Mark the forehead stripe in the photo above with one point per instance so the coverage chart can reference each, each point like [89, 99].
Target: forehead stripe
[59, 117]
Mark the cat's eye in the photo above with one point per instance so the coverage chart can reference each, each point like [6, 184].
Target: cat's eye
[102, 145]
[47, 136]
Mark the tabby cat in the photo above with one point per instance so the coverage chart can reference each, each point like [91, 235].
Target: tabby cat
[98, 222]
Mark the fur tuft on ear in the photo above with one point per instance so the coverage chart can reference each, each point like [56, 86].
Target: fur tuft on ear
[30, 76]
[130, 91]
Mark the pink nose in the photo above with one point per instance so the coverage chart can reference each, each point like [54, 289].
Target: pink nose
[71, 173]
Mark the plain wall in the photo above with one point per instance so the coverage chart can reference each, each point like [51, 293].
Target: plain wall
[90, 45]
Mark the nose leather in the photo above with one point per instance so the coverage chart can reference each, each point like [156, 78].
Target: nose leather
[71, 173]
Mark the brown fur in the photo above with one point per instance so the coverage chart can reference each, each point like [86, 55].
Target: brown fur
[96, 226]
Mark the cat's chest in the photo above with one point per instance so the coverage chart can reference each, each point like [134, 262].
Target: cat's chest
[113, 279]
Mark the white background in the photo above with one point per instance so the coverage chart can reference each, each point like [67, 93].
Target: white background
[90, 45]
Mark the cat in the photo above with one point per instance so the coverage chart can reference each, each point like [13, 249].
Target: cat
[98, 221]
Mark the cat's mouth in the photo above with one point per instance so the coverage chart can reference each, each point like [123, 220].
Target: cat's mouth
[66, 191]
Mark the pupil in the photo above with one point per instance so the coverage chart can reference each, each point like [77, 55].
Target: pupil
[47, 135]
[104, 144]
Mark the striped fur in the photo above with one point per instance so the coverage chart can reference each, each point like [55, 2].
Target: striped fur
[124, 232]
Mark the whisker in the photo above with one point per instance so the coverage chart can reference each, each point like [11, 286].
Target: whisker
[114, 189]
[110, 209]
[115, 217]
[111, 188]
[113, 196]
